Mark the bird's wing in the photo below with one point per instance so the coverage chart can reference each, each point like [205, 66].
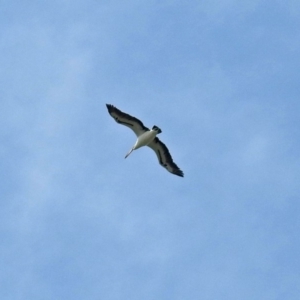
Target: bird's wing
[131, 122]
[164, 157]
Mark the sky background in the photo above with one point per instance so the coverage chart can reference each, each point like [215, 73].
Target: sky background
[221, 79]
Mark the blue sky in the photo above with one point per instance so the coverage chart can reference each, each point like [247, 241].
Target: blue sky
[221, 79]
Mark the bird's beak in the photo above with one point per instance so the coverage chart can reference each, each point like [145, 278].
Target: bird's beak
[128, 153]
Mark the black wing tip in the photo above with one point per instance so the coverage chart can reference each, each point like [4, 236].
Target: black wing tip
[110, 107]
[178, 172]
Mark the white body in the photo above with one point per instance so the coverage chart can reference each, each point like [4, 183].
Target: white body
[145, 139]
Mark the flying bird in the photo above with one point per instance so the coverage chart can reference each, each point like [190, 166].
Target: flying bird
[146, 137]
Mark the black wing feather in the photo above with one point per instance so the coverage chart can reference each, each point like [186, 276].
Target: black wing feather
[164, 156]
[125, 119]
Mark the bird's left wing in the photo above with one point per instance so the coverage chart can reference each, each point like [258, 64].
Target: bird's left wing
[164, 157]
[131, 122]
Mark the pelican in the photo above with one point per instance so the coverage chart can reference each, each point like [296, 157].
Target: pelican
[146, 137]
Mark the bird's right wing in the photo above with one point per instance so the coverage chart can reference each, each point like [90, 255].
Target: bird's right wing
[164, 157]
